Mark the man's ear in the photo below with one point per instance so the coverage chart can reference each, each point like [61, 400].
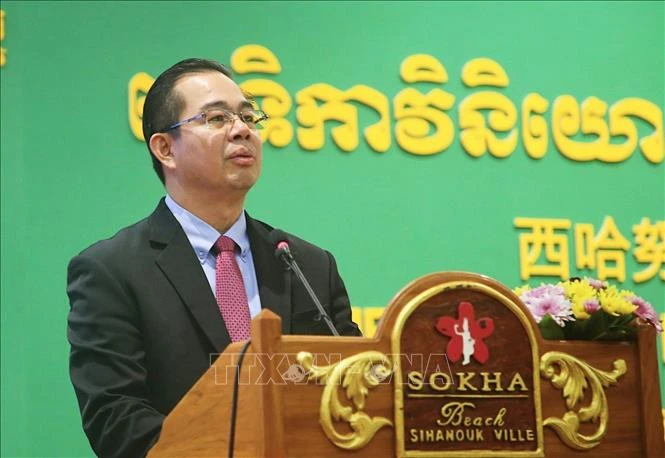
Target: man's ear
[160, 145]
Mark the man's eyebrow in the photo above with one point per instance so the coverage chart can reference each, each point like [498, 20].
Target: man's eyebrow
[224, 105]
[250, 98]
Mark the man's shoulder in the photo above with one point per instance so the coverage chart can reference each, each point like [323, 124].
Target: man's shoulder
[127, 239]
[298, 245]
[135, 239]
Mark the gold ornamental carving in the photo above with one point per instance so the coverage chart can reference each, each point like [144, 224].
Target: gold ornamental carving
[356, 375]
[573, 377]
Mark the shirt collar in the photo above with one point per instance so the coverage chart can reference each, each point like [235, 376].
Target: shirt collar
[202, 236]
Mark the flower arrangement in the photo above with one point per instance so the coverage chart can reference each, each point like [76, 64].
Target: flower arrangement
[586, 309]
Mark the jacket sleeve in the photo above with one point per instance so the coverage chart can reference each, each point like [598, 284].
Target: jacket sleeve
[106, 365]
[340, 306]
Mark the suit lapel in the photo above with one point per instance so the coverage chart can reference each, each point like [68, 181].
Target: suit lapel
[180, 265]
[273, 279]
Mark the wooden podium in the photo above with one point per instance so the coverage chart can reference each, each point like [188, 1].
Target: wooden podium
[457, 368]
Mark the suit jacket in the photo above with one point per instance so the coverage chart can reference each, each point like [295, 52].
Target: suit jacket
[144, 324]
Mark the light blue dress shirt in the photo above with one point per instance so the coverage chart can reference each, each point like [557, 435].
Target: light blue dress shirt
[202, 236]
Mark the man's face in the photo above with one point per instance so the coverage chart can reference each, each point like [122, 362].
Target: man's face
[209, 158]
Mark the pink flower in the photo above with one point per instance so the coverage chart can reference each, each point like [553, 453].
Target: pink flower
[591, 306]
[597, 284]
[545, 290]
[548, 300]
[645, 311]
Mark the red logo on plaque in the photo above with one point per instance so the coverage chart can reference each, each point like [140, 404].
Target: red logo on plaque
[466, 334]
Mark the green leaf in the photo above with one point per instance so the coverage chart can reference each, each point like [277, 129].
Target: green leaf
[597, 325]
[550, 329]
[625, 320]
[576, 330]
[611, 327]
[618, 332]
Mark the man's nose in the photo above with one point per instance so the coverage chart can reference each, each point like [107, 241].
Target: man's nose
[239, 130]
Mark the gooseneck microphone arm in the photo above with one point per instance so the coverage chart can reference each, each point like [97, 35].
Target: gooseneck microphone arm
[283, 252]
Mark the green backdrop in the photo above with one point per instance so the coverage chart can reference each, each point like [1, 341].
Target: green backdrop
[73, 172]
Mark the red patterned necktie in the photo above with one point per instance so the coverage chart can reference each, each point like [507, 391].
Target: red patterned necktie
[230, 291]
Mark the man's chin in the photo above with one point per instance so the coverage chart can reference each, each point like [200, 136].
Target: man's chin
[244, 181]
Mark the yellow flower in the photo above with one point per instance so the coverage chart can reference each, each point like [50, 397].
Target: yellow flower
[579, 292]
[521, 289]
[614, 302]
[579, 312]
[626, 294]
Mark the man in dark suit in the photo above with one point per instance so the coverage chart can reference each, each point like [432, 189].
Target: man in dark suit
[146, 313]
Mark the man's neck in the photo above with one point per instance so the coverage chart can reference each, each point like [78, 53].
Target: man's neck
[220, 212]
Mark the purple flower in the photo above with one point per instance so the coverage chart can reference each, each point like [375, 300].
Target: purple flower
[548, 300]
[591, 306]
[645, 311]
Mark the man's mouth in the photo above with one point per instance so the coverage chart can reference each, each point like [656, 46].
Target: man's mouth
[242, 156]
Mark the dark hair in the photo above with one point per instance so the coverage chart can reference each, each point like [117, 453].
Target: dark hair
[163, 105]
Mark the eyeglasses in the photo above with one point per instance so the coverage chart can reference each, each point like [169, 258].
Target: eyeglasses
[218, 118]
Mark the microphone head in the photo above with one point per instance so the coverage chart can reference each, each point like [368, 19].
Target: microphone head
[280, 241]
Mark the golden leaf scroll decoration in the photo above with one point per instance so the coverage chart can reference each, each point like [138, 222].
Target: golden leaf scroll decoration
[356, 375]
[573, 377]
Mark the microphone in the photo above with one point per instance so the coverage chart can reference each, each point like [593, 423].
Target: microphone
[283, 252]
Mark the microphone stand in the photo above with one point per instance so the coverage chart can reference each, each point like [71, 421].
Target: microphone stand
[284, 254]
